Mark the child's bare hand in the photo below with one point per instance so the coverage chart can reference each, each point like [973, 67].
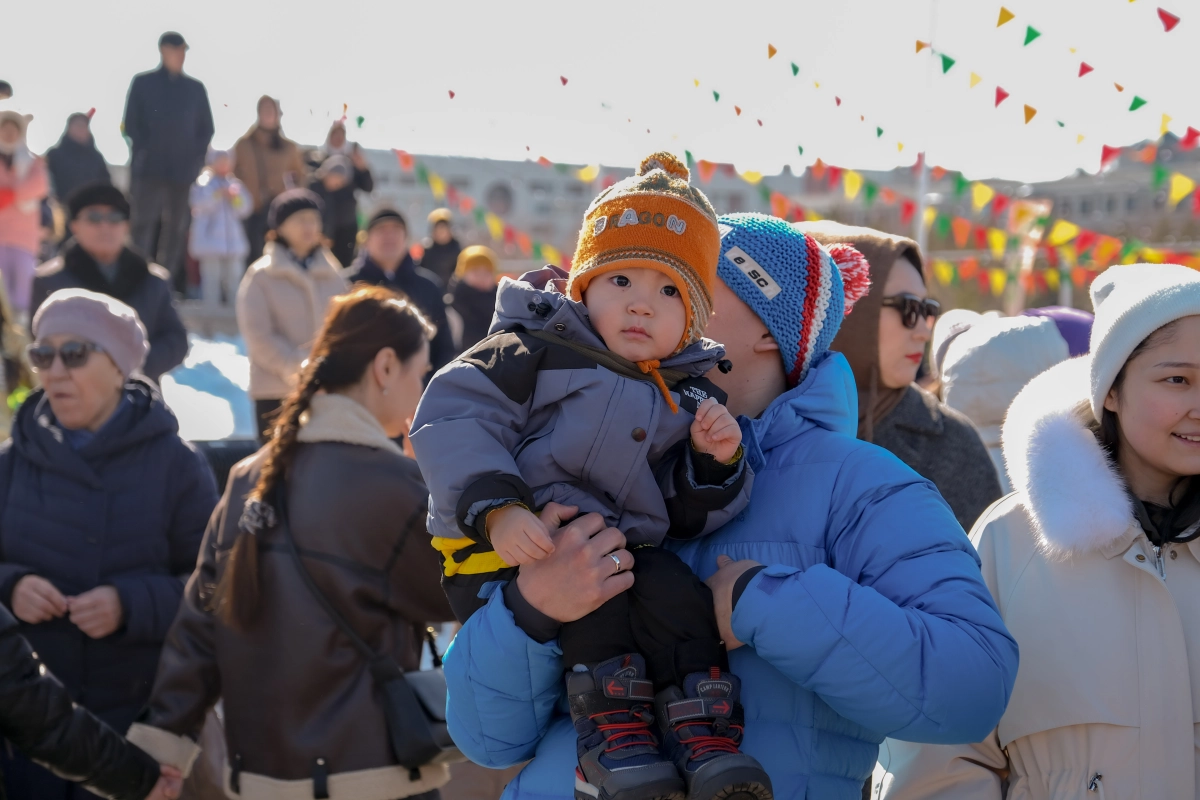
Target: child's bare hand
[518, 536]
[715, 431]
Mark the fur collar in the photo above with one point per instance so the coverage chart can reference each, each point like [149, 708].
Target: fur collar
[132, 271]
[1075, 496]
[337, 418]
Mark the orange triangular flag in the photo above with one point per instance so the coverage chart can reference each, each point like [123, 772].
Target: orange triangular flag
[1120, 88]
[1030, 113]
[771, 51]
[738, 109]
[921, 45]
[1005, 16]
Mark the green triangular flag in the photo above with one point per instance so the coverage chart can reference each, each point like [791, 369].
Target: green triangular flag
[800, 148]
[691, 162]
[1137, 103]
[878, 132]
[716, 95]
[479, 216]
[1160, 176]
[943, 226]
[960, 184]
[1031, 33]
[422, 174]
[795, 69]
[1132, 246]
[561, 168]
[1061, 125]
[869, 192]
[764, 193]
[947, 63]
[537, 251]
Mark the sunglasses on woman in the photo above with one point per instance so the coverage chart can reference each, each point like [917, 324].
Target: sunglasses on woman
[74, 354]
[913, 309]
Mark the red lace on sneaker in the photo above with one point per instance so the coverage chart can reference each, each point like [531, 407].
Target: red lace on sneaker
[636, 734]
[708, 745]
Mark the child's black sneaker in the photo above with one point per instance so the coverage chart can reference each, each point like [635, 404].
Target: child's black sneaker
[702, 729]
[619, 757]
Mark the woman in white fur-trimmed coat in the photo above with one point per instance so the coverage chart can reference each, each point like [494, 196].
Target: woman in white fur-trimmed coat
[1094, 562]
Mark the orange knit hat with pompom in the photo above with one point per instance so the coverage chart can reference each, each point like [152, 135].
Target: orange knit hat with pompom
[655, 220]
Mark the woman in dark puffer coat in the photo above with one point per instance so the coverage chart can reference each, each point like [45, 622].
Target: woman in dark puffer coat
[102, 509]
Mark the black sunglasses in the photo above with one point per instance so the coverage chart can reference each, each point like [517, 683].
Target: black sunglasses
[99, 217]
[74, 354]
[913, 309]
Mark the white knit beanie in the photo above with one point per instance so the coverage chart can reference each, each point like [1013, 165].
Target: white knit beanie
[1132, 302]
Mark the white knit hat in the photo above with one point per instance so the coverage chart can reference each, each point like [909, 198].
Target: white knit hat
[1132, 302]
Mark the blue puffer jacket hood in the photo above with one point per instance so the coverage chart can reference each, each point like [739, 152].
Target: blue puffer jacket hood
[870, 618]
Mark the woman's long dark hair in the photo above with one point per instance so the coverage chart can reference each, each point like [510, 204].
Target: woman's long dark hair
[357, 327]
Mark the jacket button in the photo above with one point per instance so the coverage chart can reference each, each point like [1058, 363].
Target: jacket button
[560, 327]
[638, 434]
[1174, 554]
[1140, 557]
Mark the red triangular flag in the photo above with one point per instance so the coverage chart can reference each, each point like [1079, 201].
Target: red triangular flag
[1001, 96]
[1108, 155]
[91, 112]
[907, 209]
[738, 109]
[999, 204]
[451, 94]
[838, 100]
[1191, 139]
[980, 238]
[1169, 20]
[835, 175]
[1196, 204]
[759, 125]
[1085, 68]
[564, 80]
[1085, 240]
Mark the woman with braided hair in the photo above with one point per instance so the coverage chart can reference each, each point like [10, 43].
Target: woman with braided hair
[302, 715]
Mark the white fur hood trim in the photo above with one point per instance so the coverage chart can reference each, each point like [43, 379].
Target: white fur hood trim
[1075, 496]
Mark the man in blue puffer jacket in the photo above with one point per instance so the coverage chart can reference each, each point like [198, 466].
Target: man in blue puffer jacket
[854, 591]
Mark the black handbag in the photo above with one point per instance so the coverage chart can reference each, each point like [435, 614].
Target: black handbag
[414, 703]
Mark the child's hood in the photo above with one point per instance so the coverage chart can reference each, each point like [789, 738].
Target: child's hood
[535, 301]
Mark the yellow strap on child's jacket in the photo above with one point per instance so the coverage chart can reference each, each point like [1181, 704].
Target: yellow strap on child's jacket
[474, 564]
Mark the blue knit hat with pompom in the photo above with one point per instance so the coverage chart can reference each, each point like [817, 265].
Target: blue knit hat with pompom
[799, 289]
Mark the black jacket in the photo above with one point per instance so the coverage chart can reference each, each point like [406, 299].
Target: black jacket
[476, 309]
[420, 287]
[144, 286]
[38, 718]
[73, 165]
[441, 259]
[169, 122]
[341, 207]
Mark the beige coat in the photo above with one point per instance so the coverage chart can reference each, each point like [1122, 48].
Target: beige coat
[280, 309]
[1107, 697]
[267, 171]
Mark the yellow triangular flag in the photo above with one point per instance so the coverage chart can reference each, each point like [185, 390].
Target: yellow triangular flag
[495, 227]
[981, 195]
[816, 85]
[550, 254]
[771, 51]
[929, 216]
[696, 81]
[437, 185]
[1068, 254]
[1062, 232]
[899, 147]
[811, 216]
[752, 178]
[1079, 139]
[589, 173]
[1166, 121]
[1005, 16]
[852, 182]
[921, 45]
[1153, 255]
[975, 79]
[1181, 187]
[1072, 49]
[1030, 113]
[998, 278]
[1052, 280]
[997, 241]
[944, 271]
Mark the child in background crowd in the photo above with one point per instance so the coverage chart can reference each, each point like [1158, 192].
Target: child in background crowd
[573, 404]
[24, 182]
[473, 292]
[218, 239]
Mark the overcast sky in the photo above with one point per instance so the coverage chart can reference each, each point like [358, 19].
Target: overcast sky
[394, 63]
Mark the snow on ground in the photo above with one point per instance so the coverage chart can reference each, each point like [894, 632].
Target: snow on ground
[208, 392]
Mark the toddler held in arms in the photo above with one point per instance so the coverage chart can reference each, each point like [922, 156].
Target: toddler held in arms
[590, 393]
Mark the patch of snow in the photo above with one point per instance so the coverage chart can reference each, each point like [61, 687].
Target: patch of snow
[208, 392]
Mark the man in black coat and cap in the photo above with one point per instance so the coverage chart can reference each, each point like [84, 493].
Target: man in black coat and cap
[169, 124]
